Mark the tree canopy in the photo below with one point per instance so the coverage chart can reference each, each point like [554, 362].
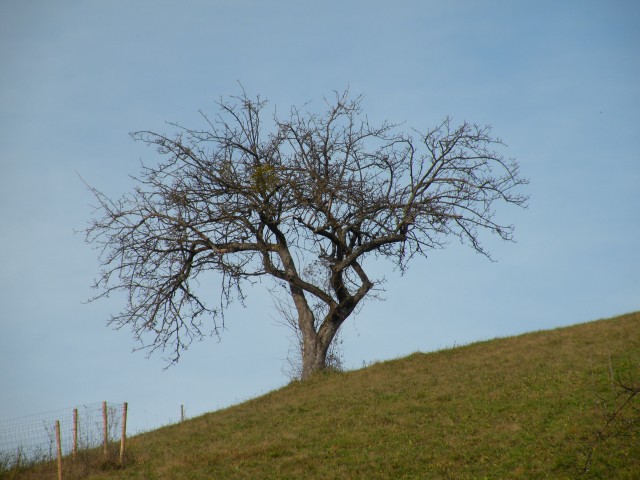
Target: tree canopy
[304, 200]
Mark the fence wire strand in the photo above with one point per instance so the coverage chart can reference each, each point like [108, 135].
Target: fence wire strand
[33, 439]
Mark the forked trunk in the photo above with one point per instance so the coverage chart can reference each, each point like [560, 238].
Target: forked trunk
[314, 358]
[315, 348]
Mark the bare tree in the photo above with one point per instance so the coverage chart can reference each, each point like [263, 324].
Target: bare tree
[303, 200]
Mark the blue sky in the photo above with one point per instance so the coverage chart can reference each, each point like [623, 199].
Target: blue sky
[558, 81]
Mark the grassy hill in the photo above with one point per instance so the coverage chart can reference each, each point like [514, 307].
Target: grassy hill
[521, 407]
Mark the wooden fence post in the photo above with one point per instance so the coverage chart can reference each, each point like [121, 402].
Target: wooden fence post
[59, 448]
[75, 433]
[105, 430]
[182, 413]
[123, 437]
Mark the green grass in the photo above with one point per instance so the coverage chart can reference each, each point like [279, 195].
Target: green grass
[520, 407]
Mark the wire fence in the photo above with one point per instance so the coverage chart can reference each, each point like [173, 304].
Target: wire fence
[32, 438]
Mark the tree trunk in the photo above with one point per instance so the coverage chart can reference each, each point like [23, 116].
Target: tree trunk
[313, 361]
[314, 358]
[315, 347]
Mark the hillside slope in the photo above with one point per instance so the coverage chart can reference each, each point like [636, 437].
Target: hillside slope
[520, 407]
